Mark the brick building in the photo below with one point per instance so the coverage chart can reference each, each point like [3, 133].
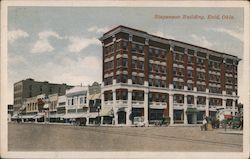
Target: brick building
[150, 76]
[29, 88]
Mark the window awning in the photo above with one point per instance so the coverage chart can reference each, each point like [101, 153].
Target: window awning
[46, 106]
[107, 111]
[15, 116]
[191, 110]
[121, 109]
[27, 116]
[90, 96]
[38, 116]
[94, 96]
[97, 96]
[56, 115]
[74, 116]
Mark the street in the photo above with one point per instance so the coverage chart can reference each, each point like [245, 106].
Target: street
[43, 137]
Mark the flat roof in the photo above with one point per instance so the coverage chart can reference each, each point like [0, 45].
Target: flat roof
[143, 32]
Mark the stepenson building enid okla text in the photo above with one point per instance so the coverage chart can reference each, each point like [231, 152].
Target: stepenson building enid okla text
[146, 75]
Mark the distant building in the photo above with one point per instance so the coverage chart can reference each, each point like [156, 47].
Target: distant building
[30, 88]
[10, 112]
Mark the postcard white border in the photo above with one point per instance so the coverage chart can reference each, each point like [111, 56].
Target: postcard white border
[3, 83]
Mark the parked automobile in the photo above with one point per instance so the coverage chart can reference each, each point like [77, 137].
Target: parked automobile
[139, 121]
[236, 122]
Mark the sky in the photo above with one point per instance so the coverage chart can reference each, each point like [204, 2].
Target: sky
[61, 44]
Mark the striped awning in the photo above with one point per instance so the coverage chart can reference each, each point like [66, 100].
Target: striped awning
[27, 116]
[38, 116]
[56, 115]
[107, 111]
[74, 116]
[46, 106]
[15, 116]
[94, 96]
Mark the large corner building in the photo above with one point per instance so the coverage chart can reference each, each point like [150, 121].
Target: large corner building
[150, 76]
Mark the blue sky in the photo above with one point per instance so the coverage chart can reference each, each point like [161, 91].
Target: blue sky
[60, 44]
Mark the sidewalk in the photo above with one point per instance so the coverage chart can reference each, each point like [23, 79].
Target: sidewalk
[230, 131]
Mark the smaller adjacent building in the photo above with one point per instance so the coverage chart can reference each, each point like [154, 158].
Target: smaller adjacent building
[10, 112]
[76, 104]
[80, 105]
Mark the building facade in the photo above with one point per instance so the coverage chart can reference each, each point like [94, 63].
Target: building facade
[150, 76]
[10, 112]
[29, 88]
[80, 104]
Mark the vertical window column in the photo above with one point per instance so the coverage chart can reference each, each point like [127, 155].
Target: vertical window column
[185, 70]
[195, 72]
[146, 62]
[115, 61]
[170, 67]
[206, 71]
[222, 75]
[130, 59]
[103, 52]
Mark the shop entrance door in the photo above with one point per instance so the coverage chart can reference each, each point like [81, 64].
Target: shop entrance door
[121, 117]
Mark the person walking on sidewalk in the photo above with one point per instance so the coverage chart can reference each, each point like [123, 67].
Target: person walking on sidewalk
[204, 125]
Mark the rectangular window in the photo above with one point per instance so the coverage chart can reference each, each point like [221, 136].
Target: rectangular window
[124, 45]
[133, 47]
[190, 86]
[150, 82]
[124, 62]
[175, 71]
[81, 100]
[134, 63]
[156, 68]
[190, 59]
[85, 100]
[150, 67]
[190, 73]
[140, 49]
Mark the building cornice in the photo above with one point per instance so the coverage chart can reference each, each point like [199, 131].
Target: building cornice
[172, 42]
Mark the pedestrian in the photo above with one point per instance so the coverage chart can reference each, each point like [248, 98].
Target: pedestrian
[204, 125]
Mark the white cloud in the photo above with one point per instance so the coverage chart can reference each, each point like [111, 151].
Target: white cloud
[161, 34]
[16, 60]
[16, 34]
[80, 70]
[78, 43]
[98, 30]
[47, 34]
[201, 40]
[43, 45]
[236, 34]
[88, 71]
